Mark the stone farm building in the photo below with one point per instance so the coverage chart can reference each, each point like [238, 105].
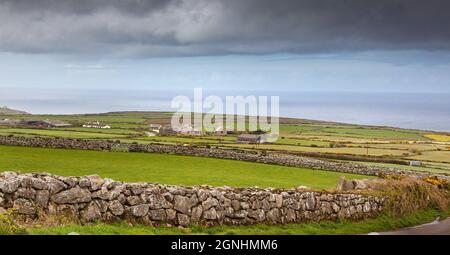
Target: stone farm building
[167, 130]
[415, 163]
[154, 128]
[96, 124]
[220, 131]
[186, 130]
[190, 130]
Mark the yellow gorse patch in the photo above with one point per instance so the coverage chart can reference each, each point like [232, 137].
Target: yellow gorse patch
[440, 138]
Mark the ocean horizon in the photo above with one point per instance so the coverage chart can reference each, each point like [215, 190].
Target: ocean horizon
[426, 111]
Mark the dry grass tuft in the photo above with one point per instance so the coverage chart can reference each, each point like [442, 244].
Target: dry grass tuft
[408, 195]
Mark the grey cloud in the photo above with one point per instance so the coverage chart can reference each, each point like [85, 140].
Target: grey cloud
[139, 28]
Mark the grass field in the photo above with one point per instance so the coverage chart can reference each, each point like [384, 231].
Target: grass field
[301, 142]
[162, 168]
[343, 150]
[58, 133]
[313, 137]
[358, 132]
[406, 147]
[437, 156]
[117, 131]
[428, 168]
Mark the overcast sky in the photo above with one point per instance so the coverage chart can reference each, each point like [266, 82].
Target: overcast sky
[322, 45]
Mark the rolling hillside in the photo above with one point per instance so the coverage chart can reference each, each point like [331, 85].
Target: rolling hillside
[8, 111]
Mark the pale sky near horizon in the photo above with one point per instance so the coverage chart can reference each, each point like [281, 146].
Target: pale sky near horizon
[413, 71]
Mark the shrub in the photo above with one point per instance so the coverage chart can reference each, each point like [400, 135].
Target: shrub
[409, 195]
[7, 224]
[440, 183]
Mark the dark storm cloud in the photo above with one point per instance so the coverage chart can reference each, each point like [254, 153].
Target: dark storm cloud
[215, 27]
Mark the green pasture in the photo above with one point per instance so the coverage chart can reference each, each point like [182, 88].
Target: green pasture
[358, 132]
[57, 133]
[163, 168]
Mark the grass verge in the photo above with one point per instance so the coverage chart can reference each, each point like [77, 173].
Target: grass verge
[381, 223]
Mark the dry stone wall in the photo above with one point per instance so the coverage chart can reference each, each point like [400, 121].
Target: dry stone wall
[91, 198]
[252, 156]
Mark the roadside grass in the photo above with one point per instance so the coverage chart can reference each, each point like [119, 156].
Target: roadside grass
[163, 168]
[379, 224]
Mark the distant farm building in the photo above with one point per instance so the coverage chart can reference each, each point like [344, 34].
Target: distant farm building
[189, 130]
[249, 138]
[96, 124]
[45, 123]
[220, 131]
[186, 130]
[154, 128]
[167, 130]
[415, 163]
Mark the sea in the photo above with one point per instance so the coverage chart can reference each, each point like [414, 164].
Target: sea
[426, 111]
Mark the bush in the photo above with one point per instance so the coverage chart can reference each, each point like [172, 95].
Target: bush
[409, 195]
[440, 183]
[7, 224]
